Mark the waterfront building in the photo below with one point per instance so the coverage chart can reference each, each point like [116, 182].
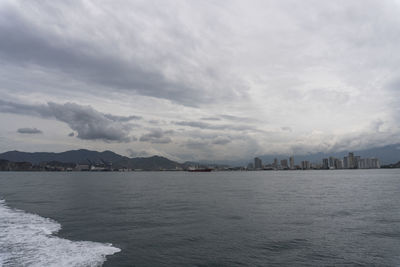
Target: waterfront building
[325, 164]
[338, 164]
[275, 164]
[284, 164]
[345, 163]
[375, 163]
[351, 164]
[331, 162]
[356, 161]
[305, 165]
[369, 163]
[257, 163]
[291, 162]
[250, 166]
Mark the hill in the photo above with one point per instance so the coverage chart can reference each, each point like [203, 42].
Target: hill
[83, 156]
[391, 166]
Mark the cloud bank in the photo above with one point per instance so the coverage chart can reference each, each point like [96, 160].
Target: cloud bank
[202, 79]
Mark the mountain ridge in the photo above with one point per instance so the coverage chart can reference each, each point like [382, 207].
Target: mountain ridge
[85, 156]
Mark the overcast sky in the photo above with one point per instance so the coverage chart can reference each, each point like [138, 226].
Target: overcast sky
[195, 80]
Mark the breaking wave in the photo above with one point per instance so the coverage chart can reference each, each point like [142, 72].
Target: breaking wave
[26, 240]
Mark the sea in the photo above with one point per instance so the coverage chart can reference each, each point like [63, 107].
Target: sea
[258, 218]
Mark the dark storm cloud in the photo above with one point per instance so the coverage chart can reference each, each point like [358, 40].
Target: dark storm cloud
[156, 136]
[29, 131]
[25, 109]
[89, 123]
[26, 44]
[29, 43]
[71, 134]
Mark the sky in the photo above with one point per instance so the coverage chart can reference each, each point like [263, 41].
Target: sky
[199, 80]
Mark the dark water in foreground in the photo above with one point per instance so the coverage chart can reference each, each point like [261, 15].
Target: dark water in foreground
[289, 218]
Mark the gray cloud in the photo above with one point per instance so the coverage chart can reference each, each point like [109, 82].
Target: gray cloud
[134, 154]
[89, 123]
[25, 109]
[286, 128]
[29, 131]
[221, 141]
[71, 134]
[27, 43]
[210, 119]
[82, 58]
[195, 144]
[154, 122]
[236, 118]
[209, 126]
[122, 118]
[156, 136]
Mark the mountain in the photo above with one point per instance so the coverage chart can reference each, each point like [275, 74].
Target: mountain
[83, 156]
[152, 163]
[391, 166]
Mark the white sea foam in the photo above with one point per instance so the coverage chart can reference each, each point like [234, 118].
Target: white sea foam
[26, 240]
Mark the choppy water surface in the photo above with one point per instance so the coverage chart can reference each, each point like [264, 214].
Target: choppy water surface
[291, 218]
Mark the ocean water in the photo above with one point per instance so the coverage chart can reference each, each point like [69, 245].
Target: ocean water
[287, 218]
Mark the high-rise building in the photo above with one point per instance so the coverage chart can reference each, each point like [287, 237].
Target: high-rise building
[257, 163]
[369, 163]
[351, 160]
[291, 163]
[325, 164]
[375, 163]
[345, 163]
[338, 164]
[305, 165]
[275, 164]
[250, 166]
[331, 162]
[284, 163]
[356, 162]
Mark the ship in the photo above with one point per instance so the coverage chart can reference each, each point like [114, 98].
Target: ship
[199, 170]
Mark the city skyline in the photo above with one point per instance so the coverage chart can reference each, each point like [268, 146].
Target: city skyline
[351, 161]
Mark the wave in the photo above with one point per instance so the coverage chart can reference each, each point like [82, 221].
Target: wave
[26, 240]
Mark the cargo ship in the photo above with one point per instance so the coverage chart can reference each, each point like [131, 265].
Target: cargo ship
[199, 170]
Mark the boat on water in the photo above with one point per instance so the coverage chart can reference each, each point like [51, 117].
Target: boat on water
[199, 170]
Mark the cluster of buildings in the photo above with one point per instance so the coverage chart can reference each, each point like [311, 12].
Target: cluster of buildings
[6, 165]
[284, 164]
[348, 162]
